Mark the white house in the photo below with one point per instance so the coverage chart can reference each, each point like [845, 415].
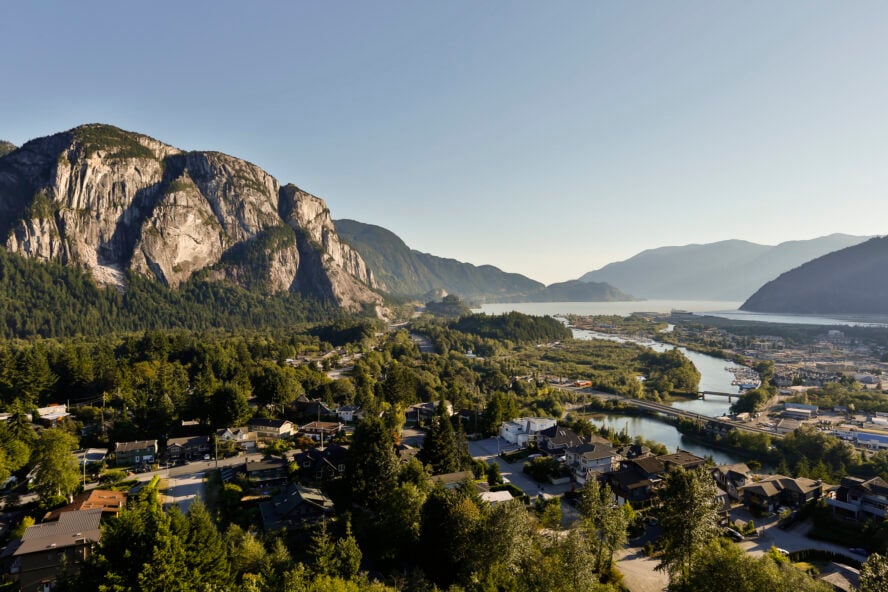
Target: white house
[524, 429]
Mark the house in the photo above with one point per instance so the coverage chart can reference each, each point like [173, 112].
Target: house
[451, 480]
[189, 447]
[638, 479]
[555, 440]
[294, 506]
[49, 416]
[109, 502]
[322, 464]
[731, 478]
[424, 412]
[321, 431]
[683, 459]
[134, 453]
[243, 437]
[496, 497]
[348, 413]
[91, 456]
[632, 450]
[270, 429]
[306, 407]
[53, 549]
[525, 429]
[265, 471]
[586, 460]
[860, 498]
[779, 490]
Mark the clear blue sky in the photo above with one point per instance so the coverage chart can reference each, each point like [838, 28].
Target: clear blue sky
[546, 138]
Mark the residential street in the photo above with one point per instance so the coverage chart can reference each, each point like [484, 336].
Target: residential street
[184, 489]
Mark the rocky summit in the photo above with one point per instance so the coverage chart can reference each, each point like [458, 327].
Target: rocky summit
[113, 202]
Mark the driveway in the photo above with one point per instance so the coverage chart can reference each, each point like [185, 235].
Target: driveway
[792, 539]
[486, 450]
[639, 573]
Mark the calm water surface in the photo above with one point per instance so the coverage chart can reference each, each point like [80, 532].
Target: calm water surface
[660, 431]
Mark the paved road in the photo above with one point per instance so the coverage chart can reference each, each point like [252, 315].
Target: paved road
[487, 450]
[184, 489]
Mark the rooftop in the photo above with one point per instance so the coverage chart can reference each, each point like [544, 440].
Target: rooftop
[72, 528]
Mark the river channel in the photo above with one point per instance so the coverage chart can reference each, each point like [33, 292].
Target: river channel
[714, 376]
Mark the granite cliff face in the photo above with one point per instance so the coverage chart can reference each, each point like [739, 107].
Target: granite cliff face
[113, 201]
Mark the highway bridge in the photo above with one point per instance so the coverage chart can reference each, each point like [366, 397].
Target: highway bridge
[670, 411]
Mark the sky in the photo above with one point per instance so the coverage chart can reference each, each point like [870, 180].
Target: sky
[546, 138]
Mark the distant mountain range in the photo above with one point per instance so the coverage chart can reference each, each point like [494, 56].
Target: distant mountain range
[406, 272]
[724, 270]
[850, 281]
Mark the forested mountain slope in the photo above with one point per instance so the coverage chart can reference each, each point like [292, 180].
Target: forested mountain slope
[850, 281]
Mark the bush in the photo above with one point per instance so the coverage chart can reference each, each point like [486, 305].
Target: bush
[112, 476]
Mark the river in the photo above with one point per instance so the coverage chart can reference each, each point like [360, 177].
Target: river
[714, 375]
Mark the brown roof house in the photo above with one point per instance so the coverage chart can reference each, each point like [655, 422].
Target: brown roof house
[731, 478]
[188, 447]
[321, 431]
[109, 502]
[54, 549]
[779, 490]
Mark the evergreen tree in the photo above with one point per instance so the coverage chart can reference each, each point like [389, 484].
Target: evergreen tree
[439, 449]
[348, 554]
[689, 520]
[604, 521]
[371, 464]
[206, 557]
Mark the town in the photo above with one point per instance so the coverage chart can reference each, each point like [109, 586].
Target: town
[321, 447]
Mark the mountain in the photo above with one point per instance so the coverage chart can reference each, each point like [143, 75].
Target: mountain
[853, 280]
[725, 270]
[114, 203]
[406, 272]
[403, 271]
[576, 291]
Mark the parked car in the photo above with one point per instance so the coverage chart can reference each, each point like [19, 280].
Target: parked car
[734, 534]
[858, 551]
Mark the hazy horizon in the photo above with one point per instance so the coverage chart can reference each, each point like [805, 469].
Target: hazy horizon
[546, 140]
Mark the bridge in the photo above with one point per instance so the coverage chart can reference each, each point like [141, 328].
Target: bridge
[702, 395]
[670, 411]
[673, 412]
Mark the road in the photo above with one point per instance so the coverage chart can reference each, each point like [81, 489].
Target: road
[184, 489]
[487, 450]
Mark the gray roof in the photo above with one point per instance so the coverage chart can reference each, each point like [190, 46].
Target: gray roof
[72, 528]
[138, 445]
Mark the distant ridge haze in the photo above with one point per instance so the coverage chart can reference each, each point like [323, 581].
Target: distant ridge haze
[725, 270]
[849, 281]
